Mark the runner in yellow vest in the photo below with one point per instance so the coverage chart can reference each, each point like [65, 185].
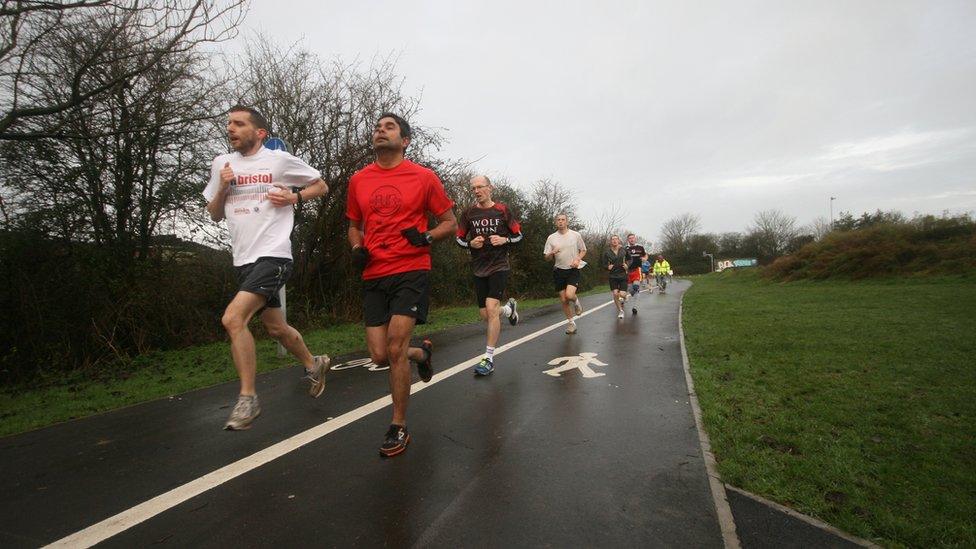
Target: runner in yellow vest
[661, 268]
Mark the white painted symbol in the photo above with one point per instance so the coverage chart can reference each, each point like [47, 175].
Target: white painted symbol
[359, 362]
[581, 361]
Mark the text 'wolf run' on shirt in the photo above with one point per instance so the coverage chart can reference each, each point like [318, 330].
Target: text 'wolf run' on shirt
[494, 220]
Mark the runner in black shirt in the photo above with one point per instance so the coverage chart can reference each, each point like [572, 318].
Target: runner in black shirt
[635, 253]
[487, 229]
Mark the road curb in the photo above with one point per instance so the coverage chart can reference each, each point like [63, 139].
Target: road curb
[725, 519]
[816, 523]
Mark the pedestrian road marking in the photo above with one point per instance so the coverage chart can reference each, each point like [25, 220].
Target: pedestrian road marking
[579, 362]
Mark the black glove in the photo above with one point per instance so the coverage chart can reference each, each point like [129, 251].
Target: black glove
[416, 237]
[360, 257]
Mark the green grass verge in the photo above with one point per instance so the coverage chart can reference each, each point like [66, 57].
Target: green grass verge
[854, 402]
[164, 373]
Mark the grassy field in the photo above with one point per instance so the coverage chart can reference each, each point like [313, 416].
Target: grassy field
[161, 374]
[854, 402]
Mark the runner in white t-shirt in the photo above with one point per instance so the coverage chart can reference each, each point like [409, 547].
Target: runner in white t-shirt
[566, 249]
[254, 189]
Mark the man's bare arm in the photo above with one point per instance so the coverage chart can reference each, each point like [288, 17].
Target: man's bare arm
[446, 225]
[355, 234]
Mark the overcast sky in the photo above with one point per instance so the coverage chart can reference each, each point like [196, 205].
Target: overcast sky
[716, 108]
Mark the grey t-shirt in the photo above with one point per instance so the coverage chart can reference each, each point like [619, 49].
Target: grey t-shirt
[569, 244]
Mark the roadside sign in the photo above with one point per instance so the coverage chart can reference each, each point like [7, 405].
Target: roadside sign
[276, 144]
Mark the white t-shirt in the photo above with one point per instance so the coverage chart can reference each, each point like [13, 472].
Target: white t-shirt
[257, 227]
[569, 244]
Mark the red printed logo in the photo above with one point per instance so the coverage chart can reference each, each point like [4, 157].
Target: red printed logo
[386, 200]
[253, 179]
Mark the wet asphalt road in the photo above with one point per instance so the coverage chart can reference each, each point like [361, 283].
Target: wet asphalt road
[520, 458]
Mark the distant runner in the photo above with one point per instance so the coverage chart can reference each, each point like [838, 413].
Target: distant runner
[387, 207]
[634, 254]
[645, 271]
[565, 248]
[487, 229]
[615, 261]
[254, 188]
[662, 270]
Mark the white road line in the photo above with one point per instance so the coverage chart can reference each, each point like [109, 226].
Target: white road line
[726, 521]
[111, 526]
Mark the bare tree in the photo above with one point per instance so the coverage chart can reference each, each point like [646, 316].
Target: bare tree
[676, 232]
[550, 197]
[607, 222]
[43, 74]
[773, 231]
[819, 228]
[128, 159]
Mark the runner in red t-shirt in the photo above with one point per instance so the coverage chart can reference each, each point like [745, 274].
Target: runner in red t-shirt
[387, 206]
[487, 228]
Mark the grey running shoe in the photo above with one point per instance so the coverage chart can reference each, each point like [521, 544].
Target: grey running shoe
[317, 375]
[243, 414]
[513, 318]
[571, 327]
[579, 307]
[485, 367]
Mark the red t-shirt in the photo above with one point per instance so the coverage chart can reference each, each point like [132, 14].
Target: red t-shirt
[388, 201]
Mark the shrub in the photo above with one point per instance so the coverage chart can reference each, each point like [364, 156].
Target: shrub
[926, 245]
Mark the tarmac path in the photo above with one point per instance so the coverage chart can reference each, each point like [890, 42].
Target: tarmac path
[604, 453]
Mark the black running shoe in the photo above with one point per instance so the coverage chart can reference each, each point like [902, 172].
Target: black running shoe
[634, 311]
[395, 441]
[424, 367]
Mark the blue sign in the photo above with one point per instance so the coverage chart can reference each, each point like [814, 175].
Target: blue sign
[276, 144]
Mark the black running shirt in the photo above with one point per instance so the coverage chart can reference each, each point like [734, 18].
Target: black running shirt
[635, 254]
[475, 222]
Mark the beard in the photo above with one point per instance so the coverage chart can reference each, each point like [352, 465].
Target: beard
[387, 146]
[244, 145]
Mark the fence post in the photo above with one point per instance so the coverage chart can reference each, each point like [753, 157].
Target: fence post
[284, 312]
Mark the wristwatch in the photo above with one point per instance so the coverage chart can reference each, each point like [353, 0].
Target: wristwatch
[428, 237]
[298, 192]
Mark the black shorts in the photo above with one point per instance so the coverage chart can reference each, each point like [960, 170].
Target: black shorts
[618, 284]
[405, 294]
[565, 277]
[492, 286]
[265, 277]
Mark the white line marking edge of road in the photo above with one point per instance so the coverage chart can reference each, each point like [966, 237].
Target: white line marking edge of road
[121, 522]
[722, 509]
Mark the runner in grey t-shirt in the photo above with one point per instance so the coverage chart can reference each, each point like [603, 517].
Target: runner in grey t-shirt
[566, 249]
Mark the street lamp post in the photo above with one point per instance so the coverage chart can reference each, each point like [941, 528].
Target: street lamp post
[832, 198]
[711, 260]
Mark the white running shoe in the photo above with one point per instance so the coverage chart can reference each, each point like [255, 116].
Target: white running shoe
[243, 414]
[579, 307]
[620, 313]
[571, 327]
[316, 375]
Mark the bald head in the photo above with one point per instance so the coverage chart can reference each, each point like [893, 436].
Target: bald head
[481, 187]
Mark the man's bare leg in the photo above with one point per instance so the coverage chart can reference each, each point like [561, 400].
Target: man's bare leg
[492, 311]
[285, 334]
[397, 347]
[235, 320]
